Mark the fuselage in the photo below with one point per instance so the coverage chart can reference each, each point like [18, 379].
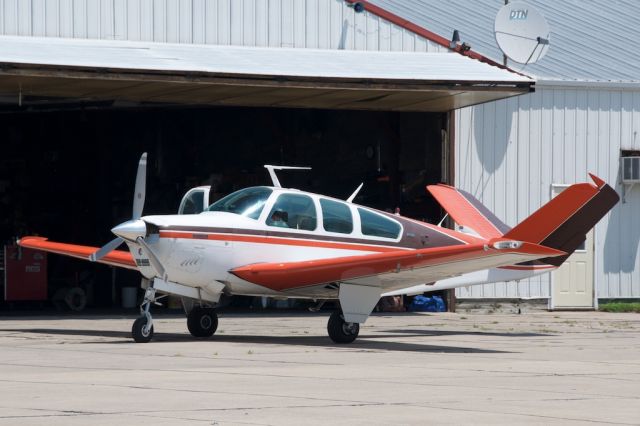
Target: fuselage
[271, 225]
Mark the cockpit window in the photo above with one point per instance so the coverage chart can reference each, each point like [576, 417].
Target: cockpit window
[377, 225]
[247, 202]
[294, 211]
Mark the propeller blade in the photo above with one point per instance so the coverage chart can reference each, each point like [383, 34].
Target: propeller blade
[141, 183]
[153, 259]
[106, 249]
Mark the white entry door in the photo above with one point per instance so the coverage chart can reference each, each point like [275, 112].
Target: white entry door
[572, 283]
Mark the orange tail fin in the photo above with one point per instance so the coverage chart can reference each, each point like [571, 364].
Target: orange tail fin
[467, 211]
[564, 221]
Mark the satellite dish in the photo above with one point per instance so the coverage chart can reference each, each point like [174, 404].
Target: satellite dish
[521, 32]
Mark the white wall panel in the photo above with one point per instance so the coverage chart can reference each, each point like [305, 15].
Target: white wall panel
[121, 21]
[236, 9]
[11, 17]
[172, 21]
[324, 24]
[107, 20]
[555, 135]
[24, 18]
[92, 18]
[79, 11]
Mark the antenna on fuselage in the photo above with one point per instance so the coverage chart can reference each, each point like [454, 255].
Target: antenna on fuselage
[272, 172]
[351, 198]
[445, 216]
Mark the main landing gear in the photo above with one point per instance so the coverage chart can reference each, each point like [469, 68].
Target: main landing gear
[202, 322]
[341, 331]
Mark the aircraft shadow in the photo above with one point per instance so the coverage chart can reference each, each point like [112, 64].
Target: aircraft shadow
[364, 342]
[466, 333]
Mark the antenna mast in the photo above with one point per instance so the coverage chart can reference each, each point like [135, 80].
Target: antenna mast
[272, 172]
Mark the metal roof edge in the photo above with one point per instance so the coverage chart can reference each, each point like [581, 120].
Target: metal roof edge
[588, 84]
[241, 62]
[430, 35]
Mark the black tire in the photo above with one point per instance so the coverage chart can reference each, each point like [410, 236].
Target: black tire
[76, 299]
[341, 331]
[202, 322]
[138, 332]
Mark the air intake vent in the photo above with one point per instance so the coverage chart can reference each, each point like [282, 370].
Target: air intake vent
[630, 169]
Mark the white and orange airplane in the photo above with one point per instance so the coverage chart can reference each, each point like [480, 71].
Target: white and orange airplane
[286, 243]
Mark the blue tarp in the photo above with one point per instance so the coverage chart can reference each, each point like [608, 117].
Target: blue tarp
[427, 304]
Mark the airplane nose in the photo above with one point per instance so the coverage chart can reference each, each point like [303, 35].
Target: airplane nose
[131, 229]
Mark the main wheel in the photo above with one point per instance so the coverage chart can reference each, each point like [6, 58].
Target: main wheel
[202, 322]
[341, 331]
[140, 332]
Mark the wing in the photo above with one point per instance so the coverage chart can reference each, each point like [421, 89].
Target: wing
[119, 258]
[467, 211]
[396, 269]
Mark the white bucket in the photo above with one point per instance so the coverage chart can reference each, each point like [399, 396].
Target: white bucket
[129, 297]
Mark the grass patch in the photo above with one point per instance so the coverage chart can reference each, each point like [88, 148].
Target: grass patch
[620, 307]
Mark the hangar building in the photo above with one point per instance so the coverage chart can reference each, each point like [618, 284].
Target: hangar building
[584, 116]
[214, 89]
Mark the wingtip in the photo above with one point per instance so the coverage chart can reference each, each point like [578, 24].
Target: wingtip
[599, 182]
[434, 188]
[22, 241]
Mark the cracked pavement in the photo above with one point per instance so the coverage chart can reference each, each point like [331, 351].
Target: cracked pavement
[280, 369]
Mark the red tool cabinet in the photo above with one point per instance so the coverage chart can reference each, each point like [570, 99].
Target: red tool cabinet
[25, 274]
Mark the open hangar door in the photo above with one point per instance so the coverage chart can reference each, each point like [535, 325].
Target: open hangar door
[76, 120]
[67, 173]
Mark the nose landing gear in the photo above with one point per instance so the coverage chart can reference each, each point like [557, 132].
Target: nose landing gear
[142, 329]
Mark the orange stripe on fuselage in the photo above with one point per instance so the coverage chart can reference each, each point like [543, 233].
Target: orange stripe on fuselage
[279, 241]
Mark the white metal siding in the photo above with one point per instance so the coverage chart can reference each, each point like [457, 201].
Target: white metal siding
[323, 24]
[510, 152]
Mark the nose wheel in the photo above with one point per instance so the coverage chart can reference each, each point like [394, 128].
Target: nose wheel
[341, 331]
[142, 329]
[202, 322]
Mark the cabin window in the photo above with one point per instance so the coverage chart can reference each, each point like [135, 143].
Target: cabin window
[376, 225]
[336, 216]
[295, 211]
[247, 202]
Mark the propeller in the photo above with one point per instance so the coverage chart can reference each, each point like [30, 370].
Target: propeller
[140, 189]
[134, 229]
[106, 249]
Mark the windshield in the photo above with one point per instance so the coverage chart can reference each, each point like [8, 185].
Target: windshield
[247, 202]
